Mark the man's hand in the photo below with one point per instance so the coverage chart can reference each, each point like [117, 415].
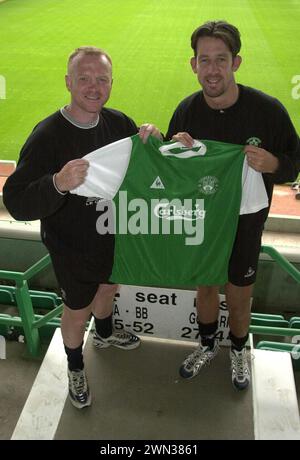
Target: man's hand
[184, 138]
[71, 175]
[146, 130]
[260, 159]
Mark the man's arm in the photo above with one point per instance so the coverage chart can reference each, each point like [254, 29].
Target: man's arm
[261, 160]
[284, 164]
[288, 161]
[31, 193]
[288, 150]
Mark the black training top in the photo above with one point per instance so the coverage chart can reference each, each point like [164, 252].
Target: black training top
[67, 221]
[255, 118]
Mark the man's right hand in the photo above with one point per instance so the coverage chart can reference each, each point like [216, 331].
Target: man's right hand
[184, 138]
[71, 175]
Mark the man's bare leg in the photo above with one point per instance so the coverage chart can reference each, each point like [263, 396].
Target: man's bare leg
[238, 303]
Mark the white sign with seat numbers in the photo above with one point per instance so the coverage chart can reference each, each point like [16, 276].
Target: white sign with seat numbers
[163, 313]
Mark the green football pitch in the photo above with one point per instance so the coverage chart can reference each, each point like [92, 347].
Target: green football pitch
[149, 41]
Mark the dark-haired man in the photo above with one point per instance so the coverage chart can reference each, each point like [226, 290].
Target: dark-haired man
[229, 112]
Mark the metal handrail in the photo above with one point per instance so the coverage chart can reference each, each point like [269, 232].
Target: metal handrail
[282, 261]
[29, 273]
[295, 274]
[27, 319]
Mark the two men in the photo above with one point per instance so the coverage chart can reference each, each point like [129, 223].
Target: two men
[51, 164]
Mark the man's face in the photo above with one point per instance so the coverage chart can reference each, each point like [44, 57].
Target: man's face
[214, 66]
[89, 81]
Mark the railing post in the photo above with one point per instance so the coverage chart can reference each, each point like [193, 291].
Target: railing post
[27, 314]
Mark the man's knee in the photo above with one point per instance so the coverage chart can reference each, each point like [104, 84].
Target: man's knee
[238, 294]
[108, 289]
[208, 290]
[77, 318]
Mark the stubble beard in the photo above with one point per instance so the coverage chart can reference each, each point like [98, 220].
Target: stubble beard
[213, 92]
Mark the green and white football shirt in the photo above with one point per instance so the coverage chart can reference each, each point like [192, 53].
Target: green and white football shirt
[176, 209]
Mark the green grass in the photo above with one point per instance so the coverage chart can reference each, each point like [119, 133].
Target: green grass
[149, 44]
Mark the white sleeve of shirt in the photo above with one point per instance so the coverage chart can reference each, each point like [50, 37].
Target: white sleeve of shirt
[107, 169]
[254, 195]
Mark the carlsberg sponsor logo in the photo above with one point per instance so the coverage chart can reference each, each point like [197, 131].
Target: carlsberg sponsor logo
[137, 216]
[183, 212]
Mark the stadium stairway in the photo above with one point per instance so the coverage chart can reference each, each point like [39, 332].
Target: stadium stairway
[139, 395]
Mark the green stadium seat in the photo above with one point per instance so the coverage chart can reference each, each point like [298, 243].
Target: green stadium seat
[6, 297]
[266, 316]
[40, 299]
[269, 322]
[295, 322]
[43, 301]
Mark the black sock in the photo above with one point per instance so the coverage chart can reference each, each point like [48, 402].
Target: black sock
[207, 333]
[75, 357]
[238, 343]
[104, 326]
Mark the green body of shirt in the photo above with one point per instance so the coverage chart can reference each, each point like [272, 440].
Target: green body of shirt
[176, 218]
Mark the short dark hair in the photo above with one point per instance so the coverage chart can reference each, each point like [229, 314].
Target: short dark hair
[226, 32]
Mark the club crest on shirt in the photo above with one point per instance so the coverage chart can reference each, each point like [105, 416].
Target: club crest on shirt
[208, 185]
[253, 141]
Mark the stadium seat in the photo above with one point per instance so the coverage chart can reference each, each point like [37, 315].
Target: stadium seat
[6, 297]
[295, 322]
[269, 322]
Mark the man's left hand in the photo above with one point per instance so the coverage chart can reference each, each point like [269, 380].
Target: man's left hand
[260, 159]
[146, 130]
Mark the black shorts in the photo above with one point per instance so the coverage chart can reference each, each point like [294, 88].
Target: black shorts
[79, 275]
[246, 248]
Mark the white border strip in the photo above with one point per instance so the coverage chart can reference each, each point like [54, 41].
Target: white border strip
[42, 411]
[275, 406]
